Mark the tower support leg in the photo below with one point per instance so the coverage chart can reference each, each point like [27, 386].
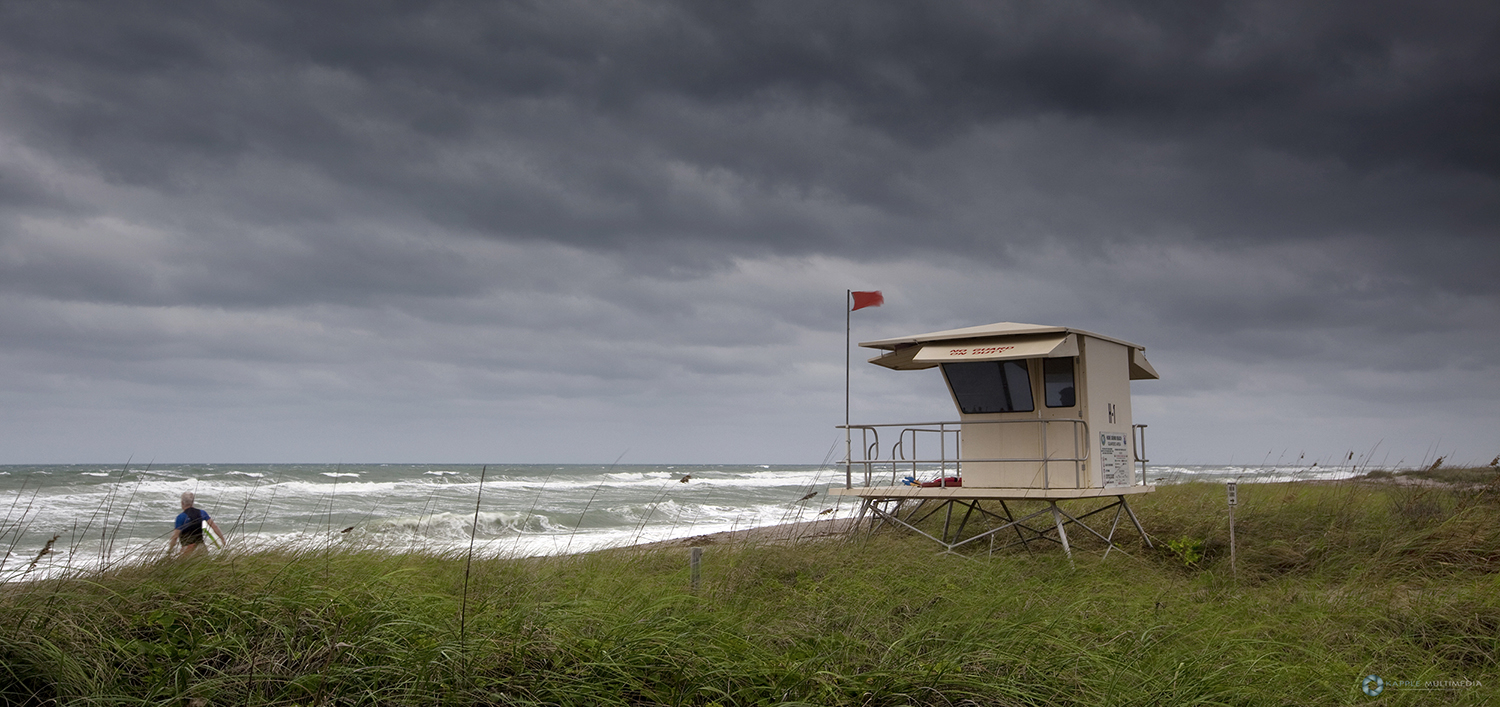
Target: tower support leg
[1062, 535]
[1137, 523]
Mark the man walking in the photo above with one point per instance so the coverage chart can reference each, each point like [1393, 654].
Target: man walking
[189, 528]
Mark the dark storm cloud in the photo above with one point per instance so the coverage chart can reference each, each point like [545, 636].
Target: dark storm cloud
[548, 202]
[1378, 85]
[591, 124]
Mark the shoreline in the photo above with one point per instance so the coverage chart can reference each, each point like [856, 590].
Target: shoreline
[793, 533]
[779, 534]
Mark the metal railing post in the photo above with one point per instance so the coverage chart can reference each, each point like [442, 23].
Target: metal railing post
[1046, 466]
[1139, 435]
[848, 463]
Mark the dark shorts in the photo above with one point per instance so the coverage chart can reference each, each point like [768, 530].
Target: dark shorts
[193, 539]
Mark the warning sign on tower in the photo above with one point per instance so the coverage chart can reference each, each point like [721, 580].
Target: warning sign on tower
[1114, 458]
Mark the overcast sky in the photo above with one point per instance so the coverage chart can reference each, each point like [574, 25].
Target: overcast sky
[581, 231]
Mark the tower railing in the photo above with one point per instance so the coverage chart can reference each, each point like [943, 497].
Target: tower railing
[1140, 452]
[946, 436]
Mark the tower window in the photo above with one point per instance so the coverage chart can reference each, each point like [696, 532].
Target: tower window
[1057, 382]
[990, 386]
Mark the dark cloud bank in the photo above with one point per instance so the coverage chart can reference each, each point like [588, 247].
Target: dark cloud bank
[562, 231]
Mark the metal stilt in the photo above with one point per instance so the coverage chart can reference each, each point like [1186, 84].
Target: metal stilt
[965, 522]
[1016, 526]
[1112, 526]
[1137, 523]
[1057, 517]
[949, 530]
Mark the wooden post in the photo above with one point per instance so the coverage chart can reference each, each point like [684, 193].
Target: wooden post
[1233, 489]
[697, 564]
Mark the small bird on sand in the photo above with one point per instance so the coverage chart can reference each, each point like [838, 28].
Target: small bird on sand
[825, 511]
[684, 478]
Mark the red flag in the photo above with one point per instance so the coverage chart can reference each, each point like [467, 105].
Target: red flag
[867, 299]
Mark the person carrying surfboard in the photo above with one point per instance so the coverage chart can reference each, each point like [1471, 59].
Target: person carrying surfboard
[189, 530]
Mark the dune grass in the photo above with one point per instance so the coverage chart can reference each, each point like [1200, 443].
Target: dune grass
[1334, 582]
[1471, 475]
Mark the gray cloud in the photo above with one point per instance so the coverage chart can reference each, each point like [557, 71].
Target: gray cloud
[572, 215]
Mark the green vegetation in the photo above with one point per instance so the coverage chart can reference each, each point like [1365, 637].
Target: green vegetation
[1334, 582]
[1449, 475]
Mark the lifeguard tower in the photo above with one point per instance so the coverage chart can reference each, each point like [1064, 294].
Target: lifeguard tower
[1044, 415]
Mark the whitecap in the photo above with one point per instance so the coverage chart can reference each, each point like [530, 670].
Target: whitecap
[336, 474]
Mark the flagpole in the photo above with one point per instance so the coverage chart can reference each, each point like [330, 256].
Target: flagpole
[866, 299]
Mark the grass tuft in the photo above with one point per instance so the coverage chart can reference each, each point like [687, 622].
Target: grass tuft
[1335, 581]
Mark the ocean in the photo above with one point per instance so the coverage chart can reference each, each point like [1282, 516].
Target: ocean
[97, 516]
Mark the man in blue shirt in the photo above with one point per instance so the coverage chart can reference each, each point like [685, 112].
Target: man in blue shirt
[189, 528]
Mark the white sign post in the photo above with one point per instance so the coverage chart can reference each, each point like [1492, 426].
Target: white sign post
[1234, 500]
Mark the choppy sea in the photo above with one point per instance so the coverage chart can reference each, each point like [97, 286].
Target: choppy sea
[96, 516]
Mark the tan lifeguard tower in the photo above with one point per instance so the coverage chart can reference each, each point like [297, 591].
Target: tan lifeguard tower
[1044, 414]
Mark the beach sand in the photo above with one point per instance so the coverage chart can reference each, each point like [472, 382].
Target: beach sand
[784, 534]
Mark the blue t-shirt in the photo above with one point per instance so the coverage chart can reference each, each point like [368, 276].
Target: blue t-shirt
[183, 519]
